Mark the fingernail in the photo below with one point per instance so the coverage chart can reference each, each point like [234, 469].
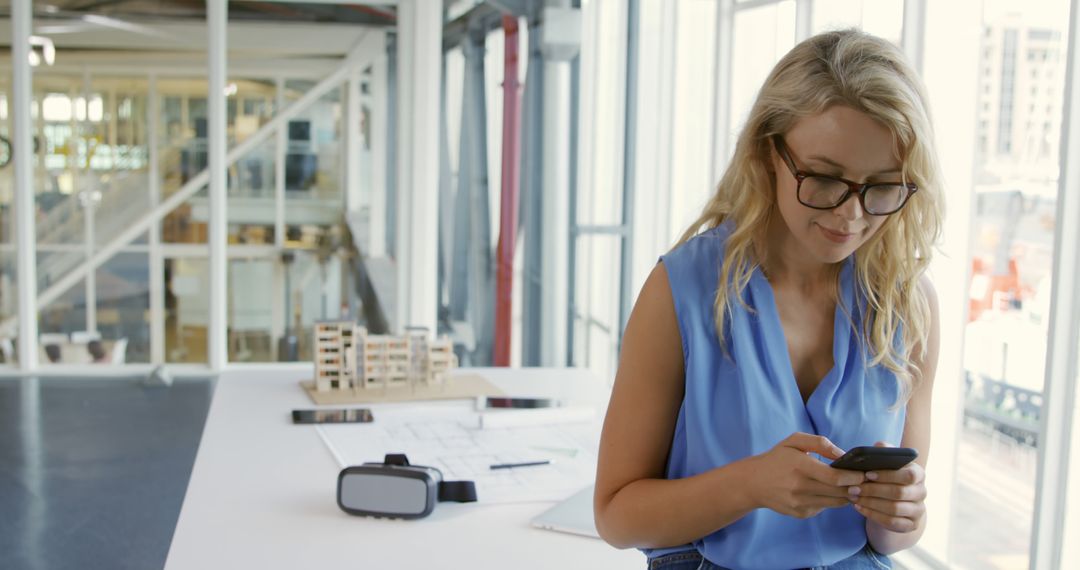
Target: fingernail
[871, 475]
[854, 491]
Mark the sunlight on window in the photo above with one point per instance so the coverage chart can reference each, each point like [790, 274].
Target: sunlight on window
[1071, 556]
[762, 36]
[56, 107]
[691, 176]
[884, 18]
[1019, 114]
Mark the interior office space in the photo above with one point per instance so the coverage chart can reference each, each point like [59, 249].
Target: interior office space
[189, 187]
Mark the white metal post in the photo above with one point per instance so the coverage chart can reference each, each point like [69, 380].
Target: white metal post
[420, 66]
[652, 231]
[725, 40]
[23, 158]
[555, 200]
[804, 10]
[279, 165]
[912, 31]
[196, 183]
[379, 139]
[157, 263]
[352, 142]
[88, 208]
[952, 83]
[185, 115]
[278, 318]
[87, 190]
[1059, 391]
[39, 157]
[217, 349]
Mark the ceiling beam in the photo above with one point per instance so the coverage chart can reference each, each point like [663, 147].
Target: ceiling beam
[294, 39]
[354, 2]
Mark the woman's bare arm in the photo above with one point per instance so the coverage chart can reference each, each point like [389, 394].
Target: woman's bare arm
[635, 505]
[909, 485]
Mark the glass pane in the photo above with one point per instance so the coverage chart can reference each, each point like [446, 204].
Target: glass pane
[9, 310]
[762, 36]
[1071, 556]
[56, 323]
[251, 180]
[313, 293]
[117, 187]
[70, 127]
[471, 200]
[187, 309]
[596, 304]
[691, 153]
[313, 173]
[182, 154]
[123, 307]
[600, 195]
[252, 205]
[8, 286]
[55, 261]
[118, 319]
[183, 114]
[255, 305]
[189, 222]
[1019, 114]
[883, 18]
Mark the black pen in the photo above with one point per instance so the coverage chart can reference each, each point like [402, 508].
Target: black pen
[525, 464]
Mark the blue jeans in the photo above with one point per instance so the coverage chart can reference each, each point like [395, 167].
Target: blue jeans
[865, 559]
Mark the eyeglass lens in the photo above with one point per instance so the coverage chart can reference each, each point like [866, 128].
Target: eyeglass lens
[823, 192]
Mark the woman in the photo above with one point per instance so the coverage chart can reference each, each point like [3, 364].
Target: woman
[798, 323]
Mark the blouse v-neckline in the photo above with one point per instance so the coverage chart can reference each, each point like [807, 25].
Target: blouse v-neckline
[779, 351]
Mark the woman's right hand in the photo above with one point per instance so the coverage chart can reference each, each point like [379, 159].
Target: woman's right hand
[786, 479]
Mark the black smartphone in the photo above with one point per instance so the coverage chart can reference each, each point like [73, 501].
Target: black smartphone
[492, 402]
[338, 416]
[875, 458]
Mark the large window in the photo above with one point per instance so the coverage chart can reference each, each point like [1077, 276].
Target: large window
[1021, 86]
[110, 148]
[8, 292]
[1000, 126]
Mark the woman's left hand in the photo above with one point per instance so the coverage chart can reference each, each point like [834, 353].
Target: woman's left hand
[892, 498]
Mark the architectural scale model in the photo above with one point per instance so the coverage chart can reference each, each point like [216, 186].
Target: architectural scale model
[347, 358]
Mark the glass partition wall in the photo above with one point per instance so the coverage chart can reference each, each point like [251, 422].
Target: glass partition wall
[111, 147]
[8, 282]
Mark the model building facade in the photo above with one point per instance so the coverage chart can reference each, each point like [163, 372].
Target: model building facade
[348, 358]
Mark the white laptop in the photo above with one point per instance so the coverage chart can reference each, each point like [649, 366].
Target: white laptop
[574, 515]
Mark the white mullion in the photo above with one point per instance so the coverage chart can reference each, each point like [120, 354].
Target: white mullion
[156, 262]
[950, 83]
[379, 139]
[217, 235]
[26, 237]
[911, 35]
[1059, 390]
[751, 4]
[279, 165]
[725, 39]
[804, 10]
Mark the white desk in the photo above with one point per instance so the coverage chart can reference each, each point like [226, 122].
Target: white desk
[262, 495]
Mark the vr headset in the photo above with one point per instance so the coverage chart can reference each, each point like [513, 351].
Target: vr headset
[397, 490]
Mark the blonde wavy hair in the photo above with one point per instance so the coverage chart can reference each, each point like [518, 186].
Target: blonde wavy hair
[871, 75]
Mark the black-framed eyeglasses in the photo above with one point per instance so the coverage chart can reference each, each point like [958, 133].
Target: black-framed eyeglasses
[825, 192]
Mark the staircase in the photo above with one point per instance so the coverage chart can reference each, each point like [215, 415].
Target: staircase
[124, 197]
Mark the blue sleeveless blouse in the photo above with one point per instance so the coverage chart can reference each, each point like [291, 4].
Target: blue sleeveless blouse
[745, 404]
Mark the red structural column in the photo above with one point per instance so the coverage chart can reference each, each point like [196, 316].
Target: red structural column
[508, 215]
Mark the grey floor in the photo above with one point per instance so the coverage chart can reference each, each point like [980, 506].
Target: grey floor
[93, 471]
